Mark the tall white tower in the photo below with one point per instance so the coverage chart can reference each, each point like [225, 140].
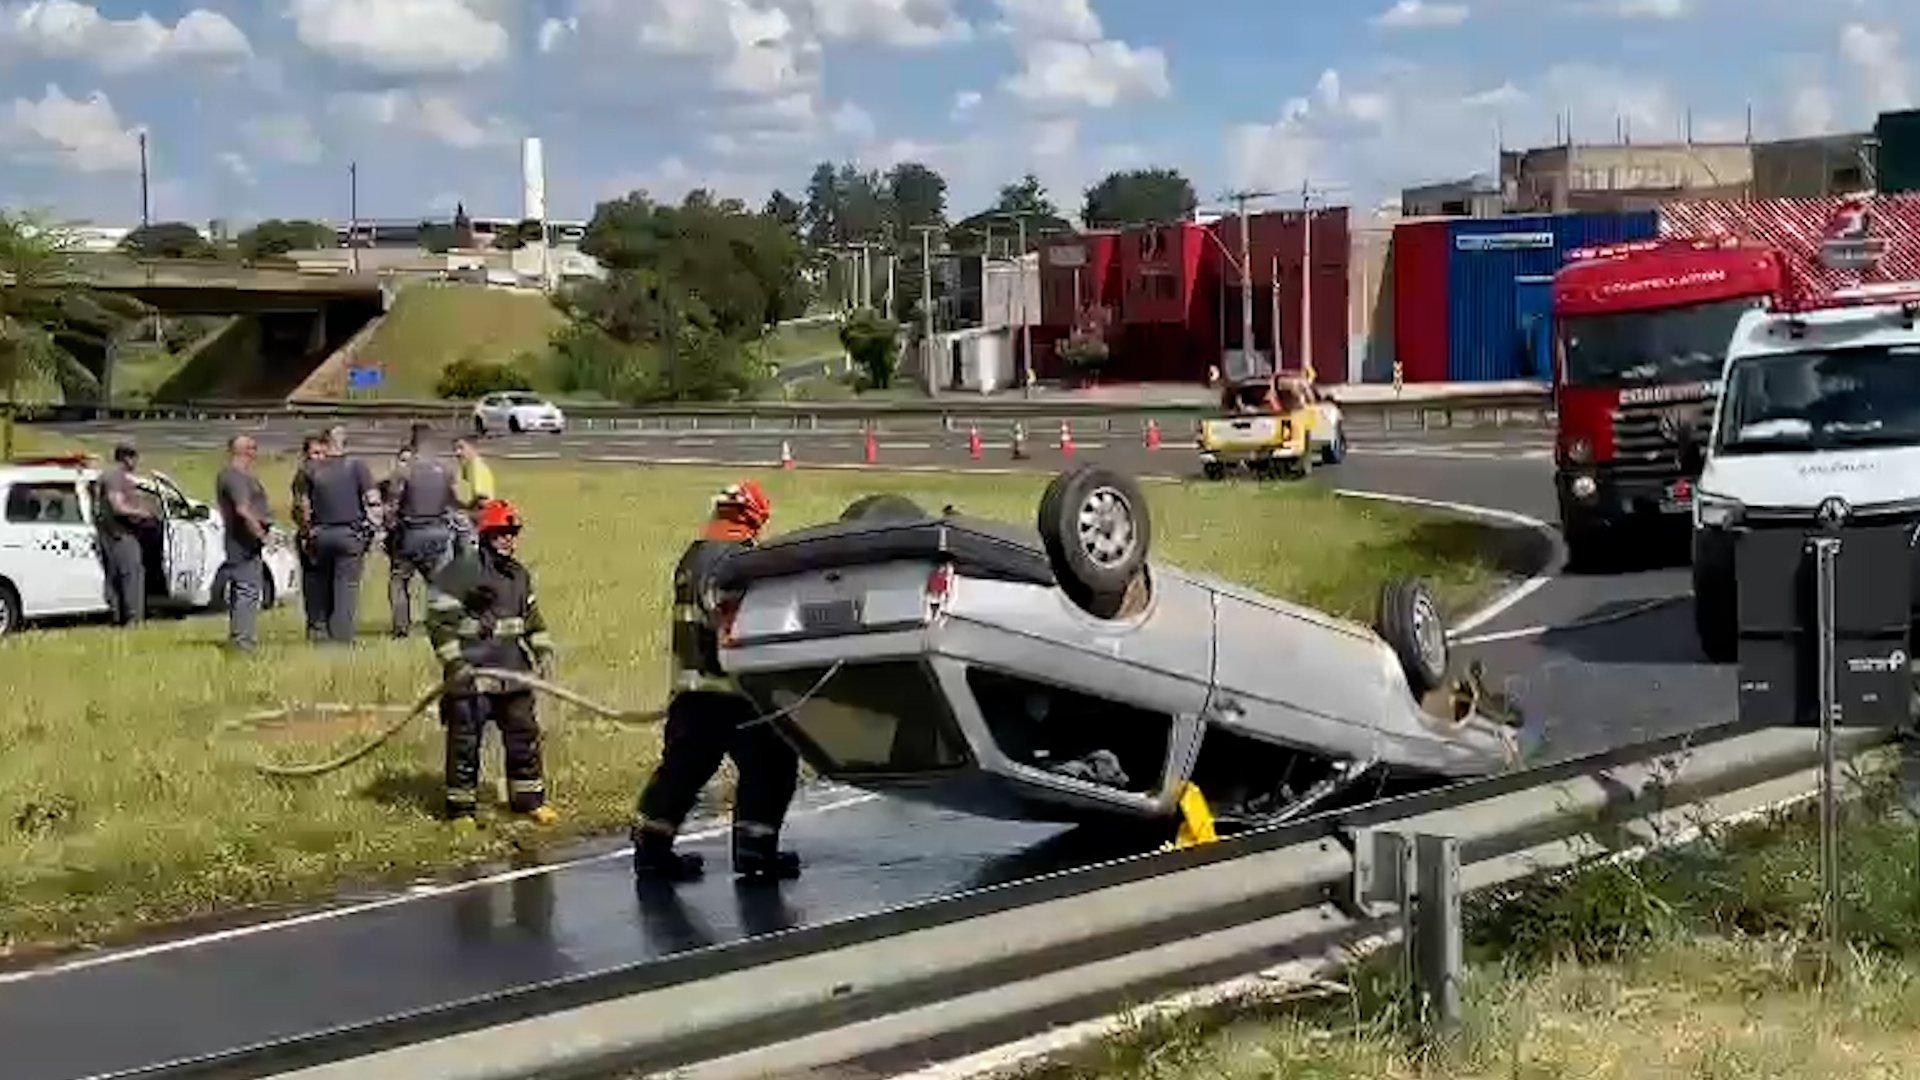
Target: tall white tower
[533, 181]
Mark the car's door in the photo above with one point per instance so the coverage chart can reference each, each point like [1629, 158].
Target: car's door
[49, 550]
[191, 539]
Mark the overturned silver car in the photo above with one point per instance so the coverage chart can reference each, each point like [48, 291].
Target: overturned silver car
[1060, 674]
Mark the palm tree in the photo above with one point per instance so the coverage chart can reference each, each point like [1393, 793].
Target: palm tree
[47, 311]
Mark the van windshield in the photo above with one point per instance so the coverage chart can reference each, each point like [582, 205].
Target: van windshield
[1820, 399]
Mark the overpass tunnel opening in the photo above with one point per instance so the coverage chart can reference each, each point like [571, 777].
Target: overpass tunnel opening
[266, 355]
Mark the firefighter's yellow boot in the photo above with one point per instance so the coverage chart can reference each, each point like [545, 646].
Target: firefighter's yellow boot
[543, 815]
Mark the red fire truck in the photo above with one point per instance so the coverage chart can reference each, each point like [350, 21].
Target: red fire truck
[1642, 331]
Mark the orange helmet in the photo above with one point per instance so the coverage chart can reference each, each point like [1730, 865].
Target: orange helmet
[498, 516]
[745, 503]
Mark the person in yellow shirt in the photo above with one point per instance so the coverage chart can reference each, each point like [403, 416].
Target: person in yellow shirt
[475, 489]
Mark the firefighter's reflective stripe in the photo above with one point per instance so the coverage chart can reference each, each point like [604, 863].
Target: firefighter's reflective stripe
[540, 641]
[689, 613]
[442, 601]
[526, 787]
[689, 679]
[463, 796]
[510, 627]
[447, 650]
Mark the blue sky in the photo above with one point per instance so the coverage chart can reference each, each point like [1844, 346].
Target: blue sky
[255, 108]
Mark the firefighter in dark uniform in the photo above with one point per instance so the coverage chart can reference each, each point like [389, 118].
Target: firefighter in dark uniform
[708, 719]
[482, 613]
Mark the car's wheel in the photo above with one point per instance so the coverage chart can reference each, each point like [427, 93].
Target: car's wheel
[479, 426]
[1409, 620]
[11, 618]
[883, 506]
[1097, 530]
[1213, 470]
[1335, 451]
[513, 424]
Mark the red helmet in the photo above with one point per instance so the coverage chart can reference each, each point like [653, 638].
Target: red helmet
[745, 503]
[498, 516]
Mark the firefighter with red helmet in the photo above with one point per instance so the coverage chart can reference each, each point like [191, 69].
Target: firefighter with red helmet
[708, 719]
[482, 613]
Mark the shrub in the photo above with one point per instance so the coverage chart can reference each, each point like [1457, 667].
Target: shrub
[1083, 351]
[470, 377]
[874, 344]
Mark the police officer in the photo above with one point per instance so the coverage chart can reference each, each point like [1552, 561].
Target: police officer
[420, 506]
[313, 450]
[340, 494]
[482, 613]
[708, 719]
[120, 525]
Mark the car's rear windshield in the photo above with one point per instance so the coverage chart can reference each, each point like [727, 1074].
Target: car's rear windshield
[883, 718]
[525, 399]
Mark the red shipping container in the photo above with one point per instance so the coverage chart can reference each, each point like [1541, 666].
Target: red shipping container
[1161, 268]
[1796, 228]
[1277, 246]
[1421, 320]
[1080, 282]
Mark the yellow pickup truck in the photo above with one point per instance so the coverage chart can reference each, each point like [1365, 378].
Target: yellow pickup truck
[1272, 427]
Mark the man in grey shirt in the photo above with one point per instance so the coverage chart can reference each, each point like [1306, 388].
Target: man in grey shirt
[420, 513]
[245, 514]
[340, 492]
[120, 522]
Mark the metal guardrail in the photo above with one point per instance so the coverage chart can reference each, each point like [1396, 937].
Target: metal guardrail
[1018, 954]
[1509, 408]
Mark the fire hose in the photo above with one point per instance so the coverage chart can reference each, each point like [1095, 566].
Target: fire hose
[624, 717]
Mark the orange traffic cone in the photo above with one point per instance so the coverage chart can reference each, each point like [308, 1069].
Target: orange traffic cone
[786, 455]
[1066, 439]
[873, 447]
[973, 442]
[1153, 434]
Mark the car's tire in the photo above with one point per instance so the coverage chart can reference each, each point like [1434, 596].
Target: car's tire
[513, 424]
[1336, 450]
[1097, 530]
[479, 426]
[1213, 470]
[884, 506]
[11, 616]
[1409, 620]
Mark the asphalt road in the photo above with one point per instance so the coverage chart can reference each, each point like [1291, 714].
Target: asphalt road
[1621, 682]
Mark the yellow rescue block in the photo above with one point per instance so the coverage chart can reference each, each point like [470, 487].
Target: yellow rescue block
[1196, 819]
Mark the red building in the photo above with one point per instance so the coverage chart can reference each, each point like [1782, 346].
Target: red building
[1167, 299]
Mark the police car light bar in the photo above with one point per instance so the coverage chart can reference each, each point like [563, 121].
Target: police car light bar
[1904, 294]
[77, 459]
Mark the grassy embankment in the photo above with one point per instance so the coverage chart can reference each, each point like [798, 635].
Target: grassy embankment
[113, 811]
[1705, 962]
[431, 326]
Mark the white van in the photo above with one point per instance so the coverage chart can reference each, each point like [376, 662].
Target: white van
[50, 565]
[1818, 422]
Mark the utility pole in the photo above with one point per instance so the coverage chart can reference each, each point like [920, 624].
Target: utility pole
[926, 303]
[146, 204]
[353, 214]
[1241, 199]
[1306, 285]
[1026, 328]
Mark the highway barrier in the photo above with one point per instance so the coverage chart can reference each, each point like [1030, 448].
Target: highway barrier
[1463, 407]
[1016, 959]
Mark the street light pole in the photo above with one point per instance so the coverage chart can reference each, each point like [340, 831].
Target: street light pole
[1246, 270]
[146, 204]
[353, 214]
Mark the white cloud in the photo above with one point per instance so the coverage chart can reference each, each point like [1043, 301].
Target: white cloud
[555, 31]
[672, 179]
[1099, 75]
[1876, 55]
[964, 103]
[238, 167]
[290, 137]
[438, 116]
[910, 24]
[1419, 14]
[402, 37]
[84, 136]
[65, 30]
[1054, 20]
[1644, 9]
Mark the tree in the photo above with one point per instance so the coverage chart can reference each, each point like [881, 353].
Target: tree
[1139, 197]
[436, 237]
[1024, 200]
[276, 237]
[784, 210]
[822, 216]
[916, 195]
[167, 240]
[863, 206]
[48, 314]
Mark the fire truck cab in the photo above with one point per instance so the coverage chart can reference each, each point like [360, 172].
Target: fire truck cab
[1641, 336]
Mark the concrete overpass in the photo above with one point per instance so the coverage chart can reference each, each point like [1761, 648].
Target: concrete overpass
[219, 287]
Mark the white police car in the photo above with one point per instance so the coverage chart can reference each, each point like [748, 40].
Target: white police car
[50, 565]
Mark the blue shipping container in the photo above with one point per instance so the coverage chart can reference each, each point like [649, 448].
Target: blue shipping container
[1499, 272]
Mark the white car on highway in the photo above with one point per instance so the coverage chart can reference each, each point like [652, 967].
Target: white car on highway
[517, 411]
[50, 565]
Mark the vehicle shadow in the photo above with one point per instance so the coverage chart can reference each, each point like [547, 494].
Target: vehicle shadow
[1654, 549]
[1515, 550]
[1081, 845]
[1630, 632]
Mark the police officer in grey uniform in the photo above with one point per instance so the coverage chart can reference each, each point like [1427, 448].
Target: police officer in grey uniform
[120, 522]
[420, 513]
[340, 494]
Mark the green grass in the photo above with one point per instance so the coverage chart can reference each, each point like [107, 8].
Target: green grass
[788, 344]
[114, 811]
[1706, 960]
[431, 326]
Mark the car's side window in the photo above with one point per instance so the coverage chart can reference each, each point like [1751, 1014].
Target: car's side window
[44, 503]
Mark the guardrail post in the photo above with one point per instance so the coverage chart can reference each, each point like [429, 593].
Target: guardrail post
[1826, 549]
[1433, 934]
